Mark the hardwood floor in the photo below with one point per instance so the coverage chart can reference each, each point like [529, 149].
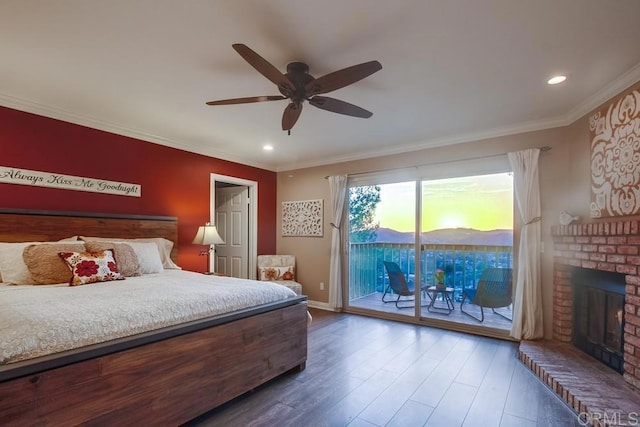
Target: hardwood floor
[363, 371]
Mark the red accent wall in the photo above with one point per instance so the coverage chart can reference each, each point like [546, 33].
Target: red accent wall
[174, 182]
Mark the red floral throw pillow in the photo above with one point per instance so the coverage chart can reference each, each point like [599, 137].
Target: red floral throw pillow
[91, 267]
[276, 273]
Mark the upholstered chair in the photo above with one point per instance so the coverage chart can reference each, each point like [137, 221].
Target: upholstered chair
[280, 269]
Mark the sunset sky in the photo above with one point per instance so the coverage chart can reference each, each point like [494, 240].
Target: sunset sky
[479, 202]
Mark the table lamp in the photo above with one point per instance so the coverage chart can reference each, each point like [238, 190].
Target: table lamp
[207, 235]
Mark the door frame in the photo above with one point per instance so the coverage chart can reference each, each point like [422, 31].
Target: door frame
[252, 235]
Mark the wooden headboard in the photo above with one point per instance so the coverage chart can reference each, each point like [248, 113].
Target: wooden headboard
[40, 226]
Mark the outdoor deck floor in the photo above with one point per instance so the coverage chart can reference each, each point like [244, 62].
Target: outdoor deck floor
[491, 320]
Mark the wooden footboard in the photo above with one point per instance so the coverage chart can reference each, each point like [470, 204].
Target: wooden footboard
[167, 382]
[164, 377]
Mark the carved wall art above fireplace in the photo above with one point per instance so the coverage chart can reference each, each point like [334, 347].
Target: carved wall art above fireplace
[615, 153]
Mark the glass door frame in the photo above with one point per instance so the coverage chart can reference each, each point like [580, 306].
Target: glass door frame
[470, 167]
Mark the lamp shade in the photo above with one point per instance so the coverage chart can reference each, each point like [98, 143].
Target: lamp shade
[207, 235]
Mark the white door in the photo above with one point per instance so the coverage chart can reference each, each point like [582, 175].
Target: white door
[232, 221]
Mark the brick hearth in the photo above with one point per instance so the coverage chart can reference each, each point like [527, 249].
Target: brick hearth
[597, 393]
[585, 384]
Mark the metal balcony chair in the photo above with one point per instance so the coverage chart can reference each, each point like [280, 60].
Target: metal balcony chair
[398, 284]
[493, 291]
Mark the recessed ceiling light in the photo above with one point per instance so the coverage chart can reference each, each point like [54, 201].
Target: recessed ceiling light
[556, 80]
[267, 147]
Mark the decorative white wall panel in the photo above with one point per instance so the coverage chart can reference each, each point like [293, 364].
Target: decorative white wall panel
[615, 156]
[302, 218]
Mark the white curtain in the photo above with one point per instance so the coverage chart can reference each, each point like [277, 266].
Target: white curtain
[527, 304]
[338, 186]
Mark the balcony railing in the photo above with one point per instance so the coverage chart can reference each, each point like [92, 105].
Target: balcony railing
[462, 264]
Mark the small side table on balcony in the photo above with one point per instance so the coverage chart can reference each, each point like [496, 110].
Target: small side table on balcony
[443, 305]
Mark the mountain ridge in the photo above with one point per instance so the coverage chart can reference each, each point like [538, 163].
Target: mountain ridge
[451, 236]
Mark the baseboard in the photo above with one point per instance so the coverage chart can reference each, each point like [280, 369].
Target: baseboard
[321, 306]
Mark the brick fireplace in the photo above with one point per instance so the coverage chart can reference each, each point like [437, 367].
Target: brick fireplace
[603, 246]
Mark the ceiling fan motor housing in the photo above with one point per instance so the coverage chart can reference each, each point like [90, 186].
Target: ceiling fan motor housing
[298, 74]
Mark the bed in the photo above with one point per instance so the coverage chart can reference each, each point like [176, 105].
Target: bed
[166, 375]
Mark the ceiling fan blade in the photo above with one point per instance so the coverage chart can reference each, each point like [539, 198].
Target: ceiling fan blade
[246, 100]
[340, 107]
[341, 78]
[291, 114]
[265, 68]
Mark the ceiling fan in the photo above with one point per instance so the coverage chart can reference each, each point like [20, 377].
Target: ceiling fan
[298, 86]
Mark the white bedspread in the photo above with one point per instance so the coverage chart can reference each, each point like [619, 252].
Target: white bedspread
[40, 320]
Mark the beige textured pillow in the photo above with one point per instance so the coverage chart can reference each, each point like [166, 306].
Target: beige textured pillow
[45, 265]
[126, 258]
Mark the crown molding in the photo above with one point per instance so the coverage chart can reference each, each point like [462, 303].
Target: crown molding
[614, 88]
[91, 122]
[626, 80]
[434, 143]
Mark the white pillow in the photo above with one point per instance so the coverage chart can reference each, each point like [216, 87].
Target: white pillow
[148, 256]
[12, 266]
[164, 247]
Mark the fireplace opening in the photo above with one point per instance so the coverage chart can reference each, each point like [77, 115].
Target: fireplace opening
[598, 315]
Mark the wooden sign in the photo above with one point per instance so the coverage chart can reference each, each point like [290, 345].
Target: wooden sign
[10, 175]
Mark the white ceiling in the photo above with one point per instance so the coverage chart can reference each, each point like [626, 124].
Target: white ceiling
[453, 70]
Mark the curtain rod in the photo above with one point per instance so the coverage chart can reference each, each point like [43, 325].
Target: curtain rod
[543, 149]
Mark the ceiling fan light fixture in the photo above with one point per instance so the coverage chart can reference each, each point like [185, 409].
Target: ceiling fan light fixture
[556, 79]
[267, 147]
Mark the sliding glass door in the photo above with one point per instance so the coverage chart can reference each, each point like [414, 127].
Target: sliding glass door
[466, 226]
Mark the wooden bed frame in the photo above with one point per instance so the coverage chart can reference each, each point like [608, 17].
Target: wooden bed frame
[168, 376]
